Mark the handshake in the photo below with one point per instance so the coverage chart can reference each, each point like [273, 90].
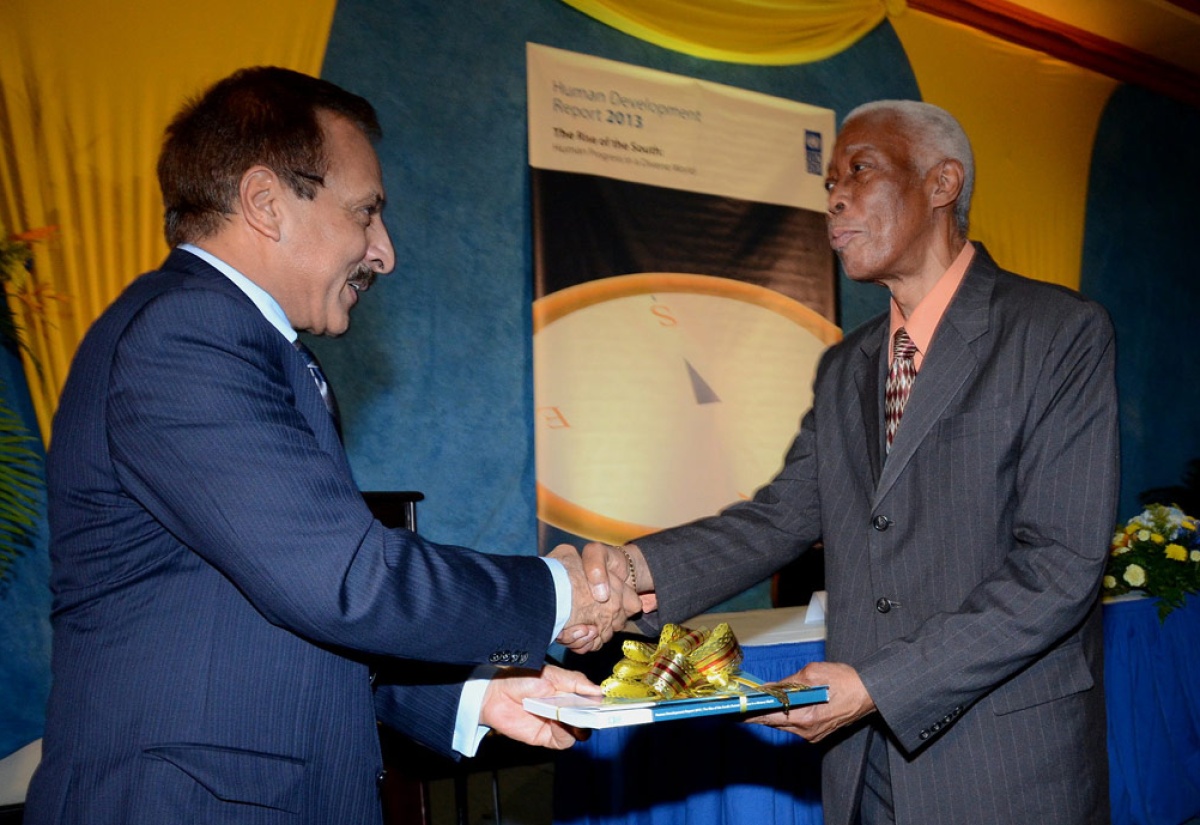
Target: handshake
[608, 585]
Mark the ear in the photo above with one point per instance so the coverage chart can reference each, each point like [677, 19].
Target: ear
[947, 179]
[259, 196]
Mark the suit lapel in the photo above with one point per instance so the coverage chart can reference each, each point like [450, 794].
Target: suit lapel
[950, 362]
[312, 406]
[868, 381]
[308, 397]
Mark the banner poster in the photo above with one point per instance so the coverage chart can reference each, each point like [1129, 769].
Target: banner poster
[684, 291]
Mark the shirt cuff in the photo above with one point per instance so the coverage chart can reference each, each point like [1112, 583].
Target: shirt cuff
[468, 732]
[562, 593]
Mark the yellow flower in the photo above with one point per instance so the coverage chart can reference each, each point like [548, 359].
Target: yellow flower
[1176, 552]
[1156, 538]
[1109, 582]
[1134, 575]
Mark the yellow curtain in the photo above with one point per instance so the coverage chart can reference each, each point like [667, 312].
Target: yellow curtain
[1032, 121]
[768, 32]
[86, 89]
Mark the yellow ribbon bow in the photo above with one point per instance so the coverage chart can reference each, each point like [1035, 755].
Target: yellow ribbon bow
[685, 663]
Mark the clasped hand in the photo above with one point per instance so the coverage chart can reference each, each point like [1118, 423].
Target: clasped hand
[602, 599]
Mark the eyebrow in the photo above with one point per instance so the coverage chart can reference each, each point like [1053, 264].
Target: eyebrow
[308, 176]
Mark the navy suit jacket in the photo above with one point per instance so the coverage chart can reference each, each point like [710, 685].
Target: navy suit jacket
[220, 587]
[963, 567]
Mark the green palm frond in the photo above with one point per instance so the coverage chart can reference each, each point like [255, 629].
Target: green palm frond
[21, 480]
[20, 487]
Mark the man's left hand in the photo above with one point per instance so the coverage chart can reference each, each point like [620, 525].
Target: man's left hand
[503, 712]
[848, 702]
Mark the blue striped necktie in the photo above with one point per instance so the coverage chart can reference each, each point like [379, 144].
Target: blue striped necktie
[318, 375]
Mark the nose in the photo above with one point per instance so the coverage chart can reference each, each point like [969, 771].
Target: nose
[836, 201]
[381, 255]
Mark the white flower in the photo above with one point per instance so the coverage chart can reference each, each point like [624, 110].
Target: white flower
[1134, 575]
[1194, 555]
[1109, 582]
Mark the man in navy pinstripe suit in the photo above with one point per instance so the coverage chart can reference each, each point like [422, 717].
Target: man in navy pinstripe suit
[964, 556]
[222, 595]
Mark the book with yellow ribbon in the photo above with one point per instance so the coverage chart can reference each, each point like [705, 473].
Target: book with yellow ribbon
[688, 673]
[595, 712]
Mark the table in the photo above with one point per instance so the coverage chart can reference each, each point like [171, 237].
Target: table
[715, 770]
[704, 770]
[1152, 681]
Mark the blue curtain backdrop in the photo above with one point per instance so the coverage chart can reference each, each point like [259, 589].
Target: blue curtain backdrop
[1139, 261]
[435, 376]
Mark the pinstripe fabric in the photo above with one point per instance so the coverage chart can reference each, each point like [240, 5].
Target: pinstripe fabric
[986, 529]
[219, 583]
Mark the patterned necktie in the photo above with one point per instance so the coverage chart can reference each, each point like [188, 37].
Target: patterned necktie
[318, 375]
[901, 375]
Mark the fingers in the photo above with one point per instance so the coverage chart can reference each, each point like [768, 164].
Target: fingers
[504, 712]
[570, 681]
[848, 702]
[586, 638]
[604, 617]
[597, 565]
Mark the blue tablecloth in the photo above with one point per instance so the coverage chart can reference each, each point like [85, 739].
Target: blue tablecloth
[715, 770]
[721, 772]
[1152, 679]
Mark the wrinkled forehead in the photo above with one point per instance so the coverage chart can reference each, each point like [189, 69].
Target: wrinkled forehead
[874, 131]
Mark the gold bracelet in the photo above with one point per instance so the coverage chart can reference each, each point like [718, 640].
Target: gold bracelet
[632, 569]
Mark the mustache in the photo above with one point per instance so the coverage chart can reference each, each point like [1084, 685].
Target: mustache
[362, 278]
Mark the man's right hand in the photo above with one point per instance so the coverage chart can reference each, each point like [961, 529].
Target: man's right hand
[601, 600]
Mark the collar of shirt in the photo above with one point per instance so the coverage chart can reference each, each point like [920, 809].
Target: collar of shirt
[268, 306]
[923, 322]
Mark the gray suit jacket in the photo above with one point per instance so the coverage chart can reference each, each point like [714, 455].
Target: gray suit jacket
[963, 569]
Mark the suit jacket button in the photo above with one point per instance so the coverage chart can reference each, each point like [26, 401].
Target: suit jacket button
[495, 658]
[883, 606]
[523, 658]
[924, 735]
[881, 523]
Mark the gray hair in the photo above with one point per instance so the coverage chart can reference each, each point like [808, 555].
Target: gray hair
[936, 136]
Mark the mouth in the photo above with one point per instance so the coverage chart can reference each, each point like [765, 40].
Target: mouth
[840, 237]
[362, 279]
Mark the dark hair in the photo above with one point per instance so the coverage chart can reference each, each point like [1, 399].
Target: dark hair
[263, 115]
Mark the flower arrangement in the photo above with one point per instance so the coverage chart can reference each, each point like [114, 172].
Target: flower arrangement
[1158, 553]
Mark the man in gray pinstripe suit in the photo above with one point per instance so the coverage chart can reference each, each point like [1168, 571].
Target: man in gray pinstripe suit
[964, 558]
